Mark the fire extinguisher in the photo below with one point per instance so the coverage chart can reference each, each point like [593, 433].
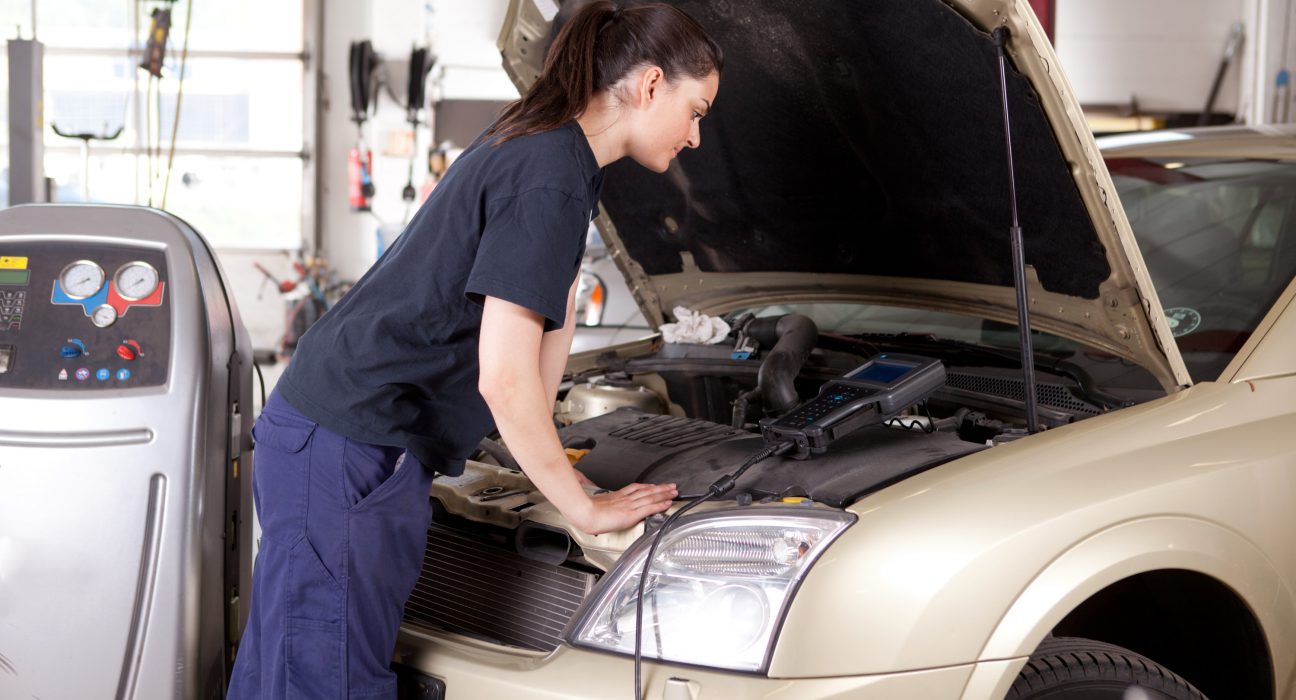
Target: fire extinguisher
[360, 187]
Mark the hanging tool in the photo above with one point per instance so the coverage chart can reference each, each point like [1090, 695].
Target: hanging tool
[1231, 47]
[360, 187]
[175, 118]
[155, 48]
[154, 55]
[420, 64]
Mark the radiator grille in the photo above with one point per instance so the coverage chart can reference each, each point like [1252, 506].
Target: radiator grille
[486, 591]
[1049, 394]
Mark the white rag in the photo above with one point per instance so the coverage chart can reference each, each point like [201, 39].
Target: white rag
[693, 327]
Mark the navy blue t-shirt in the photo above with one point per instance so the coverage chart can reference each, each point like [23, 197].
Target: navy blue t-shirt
[395, 361]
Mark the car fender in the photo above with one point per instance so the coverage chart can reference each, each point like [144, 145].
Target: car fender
[1119, 552]
[944, 562]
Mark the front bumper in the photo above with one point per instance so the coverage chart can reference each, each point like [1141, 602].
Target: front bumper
[479, 670]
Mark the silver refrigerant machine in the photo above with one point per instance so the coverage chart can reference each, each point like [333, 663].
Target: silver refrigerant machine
[125, 496]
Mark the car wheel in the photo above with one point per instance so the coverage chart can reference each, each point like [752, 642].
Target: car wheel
[1073, 668]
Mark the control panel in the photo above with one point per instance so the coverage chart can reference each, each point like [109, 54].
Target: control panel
[83, 317]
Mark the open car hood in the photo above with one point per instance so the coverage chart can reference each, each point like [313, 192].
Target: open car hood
[856, 153]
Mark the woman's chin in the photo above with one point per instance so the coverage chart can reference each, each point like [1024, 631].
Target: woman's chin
[660, 165]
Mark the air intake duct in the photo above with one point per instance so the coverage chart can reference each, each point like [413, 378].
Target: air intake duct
[791, 337]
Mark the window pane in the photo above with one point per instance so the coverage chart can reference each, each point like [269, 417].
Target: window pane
[233, 202]
[85, 24]
[242, 25]
[111, 176]
[227, 103]
[240, 202]
[230, 25]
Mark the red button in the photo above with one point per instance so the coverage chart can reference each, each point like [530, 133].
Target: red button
[126, 352]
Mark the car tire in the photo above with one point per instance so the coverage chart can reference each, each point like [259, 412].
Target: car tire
[1073, 668]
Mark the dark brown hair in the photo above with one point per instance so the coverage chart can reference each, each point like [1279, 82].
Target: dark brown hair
[597, 47]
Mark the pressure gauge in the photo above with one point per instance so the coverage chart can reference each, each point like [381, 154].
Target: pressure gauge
[136, 280]
[103, 316]
[81, 279]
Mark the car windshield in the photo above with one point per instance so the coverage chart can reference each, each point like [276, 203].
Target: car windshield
[1217, 238]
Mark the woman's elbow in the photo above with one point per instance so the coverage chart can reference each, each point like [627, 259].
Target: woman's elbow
[496, 386]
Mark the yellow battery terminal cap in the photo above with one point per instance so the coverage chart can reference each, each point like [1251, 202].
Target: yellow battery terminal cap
[574, 455]
[795, 499]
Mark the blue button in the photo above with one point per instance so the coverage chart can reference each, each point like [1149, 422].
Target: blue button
[102, 374]
[70, 351]
[123, 375]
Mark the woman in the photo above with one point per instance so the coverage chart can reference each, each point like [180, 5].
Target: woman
[468, 318]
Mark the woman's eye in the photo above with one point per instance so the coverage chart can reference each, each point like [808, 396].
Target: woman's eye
[697, 115]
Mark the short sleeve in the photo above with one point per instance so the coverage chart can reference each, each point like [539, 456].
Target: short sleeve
[530, 251]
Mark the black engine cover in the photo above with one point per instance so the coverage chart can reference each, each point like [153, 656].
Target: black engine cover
[628, 446]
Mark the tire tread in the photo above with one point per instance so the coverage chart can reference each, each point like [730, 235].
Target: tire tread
[1059, 660]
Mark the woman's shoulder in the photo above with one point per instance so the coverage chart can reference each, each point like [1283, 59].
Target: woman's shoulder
[551, 159]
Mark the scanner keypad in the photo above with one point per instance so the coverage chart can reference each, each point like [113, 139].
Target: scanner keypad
[832, 399]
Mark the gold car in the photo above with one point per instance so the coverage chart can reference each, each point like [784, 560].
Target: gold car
[852, 199]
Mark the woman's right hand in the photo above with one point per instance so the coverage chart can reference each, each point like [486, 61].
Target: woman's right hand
[624, 508]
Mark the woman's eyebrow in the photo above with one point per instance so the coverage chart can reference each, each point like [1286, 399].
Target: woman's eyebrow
[708, 104]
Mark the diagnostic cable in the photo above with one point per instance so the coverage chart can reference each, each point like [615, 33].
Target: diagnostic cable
[720, 487]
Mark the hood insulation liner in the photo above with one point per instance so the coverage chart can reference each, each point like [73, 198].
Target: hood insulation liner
[859, 137]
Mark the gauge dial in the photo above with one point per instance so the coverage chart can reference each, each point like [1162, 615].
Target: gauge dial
[81, 279]
[136, 280]
[103, 316]
[1182, 320]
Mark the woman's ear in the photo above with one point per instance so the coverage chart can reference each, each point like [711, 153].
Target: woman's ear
[651, 81]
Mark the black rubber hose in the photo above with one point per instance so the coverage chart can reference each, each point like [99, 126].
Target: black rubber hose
[792, 337]
[500, 453]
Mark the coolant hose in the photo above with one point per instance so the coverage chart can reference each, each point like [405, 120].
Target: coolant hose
[792, 337]
[500, 453]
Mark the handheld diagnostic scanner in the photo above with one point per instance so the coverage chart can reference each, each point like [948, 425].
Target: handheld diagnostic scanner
[872, 393]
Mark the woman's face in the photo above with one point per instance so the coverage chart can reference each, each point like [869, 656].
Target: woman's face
[667, 117]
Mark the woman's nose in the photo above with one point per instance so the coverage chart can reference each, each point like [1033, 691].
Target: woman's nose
[695, 135]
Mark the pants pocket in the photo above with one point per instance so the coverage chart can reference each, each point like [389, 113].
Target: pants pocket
[279, 467]
[313, 592]
[315, 657]
[383, 478]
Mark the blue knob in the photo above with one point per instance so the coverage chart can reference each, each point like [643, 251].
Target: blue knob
[75, 348]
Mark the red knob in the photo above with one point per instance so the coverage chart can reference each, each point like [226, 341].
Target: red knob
[129, 350]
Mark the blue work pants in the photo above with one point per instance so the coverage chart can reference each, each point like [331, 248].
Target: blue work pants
[343, 529]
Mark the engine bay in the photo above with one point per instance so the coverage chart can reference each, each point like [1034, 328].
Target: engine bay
[688, 414]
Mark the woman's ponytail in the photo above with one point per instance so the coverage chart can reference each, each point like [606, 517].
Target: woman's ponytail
[598, 46]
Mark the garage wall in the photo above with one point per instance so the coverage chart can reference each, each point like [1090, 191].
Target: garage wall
[1165, 53]
[462, 36]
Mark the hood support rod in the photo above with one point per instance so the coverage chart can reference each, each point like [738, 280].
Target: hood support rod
[1018, 253]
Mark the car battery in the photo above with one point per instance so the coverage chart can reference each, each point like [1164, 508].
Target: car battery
[125, 491]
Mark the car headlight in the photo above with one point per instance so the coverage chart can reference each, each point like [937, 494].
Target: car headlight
[717, 590]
